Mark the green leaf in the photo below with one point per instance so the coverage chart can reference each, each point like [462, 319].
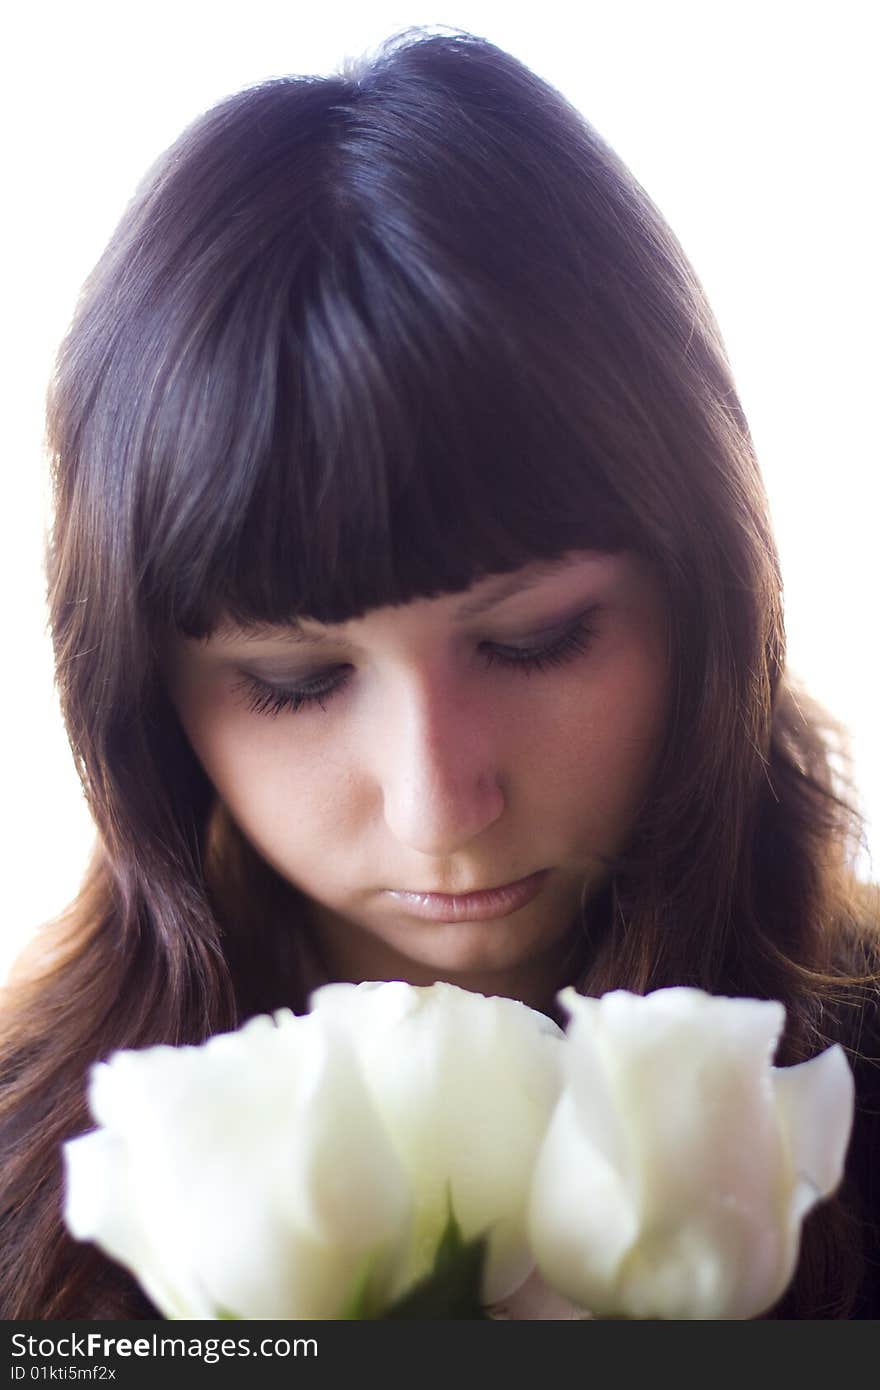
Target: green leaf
[452, 1290]
[361, 1305]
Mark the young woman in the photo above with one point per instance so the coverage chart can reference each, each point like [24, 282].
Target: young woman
[417, 615]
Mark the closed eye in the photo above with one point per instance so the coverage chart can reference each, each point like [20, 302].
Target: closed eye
[262, 698]
[558, 647]
[573, 640]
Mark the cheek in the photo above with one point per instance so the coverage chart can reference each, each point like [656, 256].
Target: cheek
[607, 747]
[278, 784]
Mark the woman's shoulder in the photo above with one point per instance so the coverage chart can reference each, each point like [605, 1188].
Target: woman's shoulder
[862, 1173]
[853, 1020]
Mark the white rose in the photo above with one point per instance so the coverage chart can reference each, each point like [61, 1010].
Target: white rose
[466, 1085]
[679, 1163]
[248, 1176]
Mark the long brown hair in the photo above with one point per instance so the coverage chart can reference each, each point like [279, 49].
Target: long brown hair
[358, 339]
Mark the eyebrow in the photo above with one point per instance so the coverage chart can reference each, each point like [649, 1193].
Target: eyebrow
[494, 591]
[518, 582]
[291, 631]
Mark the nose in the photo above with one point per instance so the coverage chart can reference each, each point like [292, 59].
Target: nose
[441, 782]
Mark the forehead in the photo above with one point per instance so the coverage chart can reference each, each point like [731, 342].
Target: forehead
[461, 605]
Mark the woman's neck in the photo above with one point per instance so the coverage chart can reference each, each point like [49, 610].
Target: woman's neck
[337, 951]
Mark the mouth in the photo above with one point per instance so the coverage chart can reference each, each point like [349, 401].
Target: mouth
[482, 906]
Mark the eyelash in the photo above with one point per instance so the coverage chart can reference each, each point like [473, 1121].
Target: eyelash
[261, 698]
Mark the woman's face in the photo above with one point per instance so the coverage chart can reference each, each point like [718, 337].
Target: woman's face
[393, 766]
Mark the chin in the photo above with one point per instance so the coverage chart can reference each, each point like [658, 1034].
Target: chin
[475, 947]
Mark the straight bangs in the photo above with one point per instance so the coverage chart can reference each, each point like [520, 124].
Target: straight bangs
[375, 444]
[364, 388]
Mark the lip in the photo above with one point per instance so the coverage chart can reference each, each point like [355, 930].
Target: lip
[472, 907]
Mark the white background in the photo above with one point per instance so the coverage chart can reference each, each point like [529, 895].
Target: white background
[753, 126]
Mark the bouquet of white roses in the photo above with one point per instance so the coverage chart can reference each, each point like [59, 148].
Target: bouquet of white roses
[430, 1152]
